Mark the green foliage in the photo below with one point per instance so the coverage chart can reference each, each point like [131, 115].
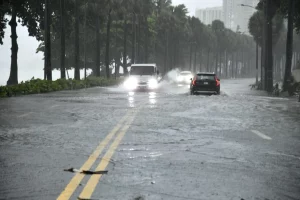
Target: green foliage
[155, 31]
[256, 24]
[283, 9]
[37, 86]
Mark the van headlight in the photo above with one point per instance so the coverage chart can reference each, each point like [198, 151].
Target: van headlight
[131, 83]
[153, 83]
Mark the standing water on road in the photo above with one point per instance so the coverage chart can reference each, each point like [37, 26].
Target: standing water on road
[154, 101]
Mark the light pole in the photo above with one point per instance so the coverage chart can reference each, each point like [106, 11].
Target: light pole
[245, 5]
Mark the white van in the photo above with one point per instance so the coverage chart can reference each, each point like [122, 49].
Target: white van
[143, 76]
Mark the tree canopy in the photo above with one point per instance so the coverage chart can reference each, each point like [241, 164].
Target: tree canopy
[121, 32]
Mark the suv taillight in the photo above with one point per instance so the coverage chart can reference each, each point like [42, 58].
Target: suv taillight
[217, 81]
[194, 82]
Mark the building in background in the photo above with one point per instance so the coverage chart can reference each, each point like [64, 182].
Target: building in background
[235, 16]
[208, 15]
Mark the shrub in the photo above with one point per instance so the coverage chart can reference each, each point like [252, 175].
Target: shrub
[36, 86]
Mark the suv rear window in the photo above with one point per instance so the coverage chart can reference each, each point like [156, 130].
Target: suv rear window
[205, 77]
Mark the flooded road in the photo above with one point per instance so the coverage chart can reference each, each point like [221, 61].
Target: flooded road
[155, 145]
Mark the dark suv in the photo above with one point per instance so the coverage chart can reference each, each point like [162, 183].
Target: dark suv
[205, 83]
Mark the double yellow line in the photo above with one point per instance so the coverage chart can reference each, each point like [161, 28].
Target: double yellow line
[94, 179]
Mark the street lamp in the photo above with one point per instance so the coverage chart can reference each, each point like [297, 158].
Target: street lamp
[245, 5]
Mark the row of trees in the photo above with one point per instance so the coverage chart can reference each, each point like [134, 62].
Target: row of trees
[278, 43]
[101, 35]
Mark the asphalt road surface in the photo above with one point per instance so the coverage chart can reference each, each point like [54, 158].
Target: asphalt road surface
[162, 145]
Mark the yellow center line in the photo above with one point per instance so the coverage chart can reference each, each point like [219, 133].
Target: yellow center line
[75, 181]
[94, 179]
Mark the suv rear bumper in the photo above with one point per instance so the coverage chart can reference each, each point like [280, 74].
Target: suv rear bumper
[210, 89]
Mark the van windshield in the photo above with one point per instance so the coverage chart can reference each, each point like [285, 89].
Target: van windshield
[142, 70]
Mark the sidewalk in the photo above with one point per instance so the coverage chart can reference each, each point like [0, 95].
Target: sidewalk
[240, 88]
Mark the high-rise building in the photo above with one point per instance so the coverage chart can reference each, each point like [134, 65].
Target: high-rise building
[237, 16]
[208, 15]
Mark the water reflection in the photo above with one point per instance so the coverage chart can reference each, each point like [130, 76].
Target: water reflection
[152, 98]
[152, 101]
[131, 100]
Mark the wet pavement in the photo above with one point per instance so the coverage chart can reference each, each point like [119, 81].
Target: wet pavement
[167, 144]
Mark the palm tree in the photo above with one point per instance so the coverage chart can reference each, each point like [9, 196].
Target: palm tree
[13, 78]
[108, 25]
[48, 67]
[218, 29]
[289, 44]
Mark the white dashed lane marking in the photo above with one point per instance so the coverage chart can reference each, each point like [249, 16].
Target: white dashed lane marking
[263, 136]
[54, 106]
[25, 115]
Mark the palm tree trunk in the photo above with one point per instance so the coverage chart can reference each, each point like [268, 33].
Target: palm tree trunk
[147, 41]
[98, 53]
[117, 69]
[201, 60]
[278, 68]
[116, 58]
[125, 46]
[207, 66]
[226, 63]
[232, 65]
[195, 60]
[289, 45]
[76, 47]
[48, 66]
[216, 66]
[262, 67]
[13, 77]
[256, 64]
[269, 51]
[108, 43]
[191, 55]
[138, 58]
[62, 40]
[166, 52]
[236, 65]
[133, 38]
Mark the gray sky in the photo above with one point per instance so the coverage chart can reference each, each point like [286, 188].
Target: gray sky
[31, 64]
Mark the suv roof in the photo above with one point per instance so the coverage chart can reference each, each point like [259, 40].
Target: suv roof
[186, 72]
[143, 65]
[206, 73]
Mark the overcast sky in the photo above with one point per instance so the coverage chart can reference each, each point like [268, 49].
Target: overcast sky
[31, 64]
